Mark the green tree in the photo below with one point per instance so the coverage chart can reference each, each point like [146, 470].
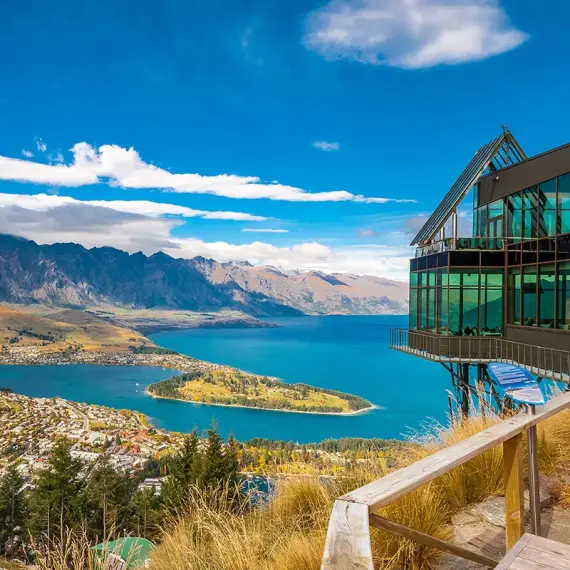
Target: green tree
[184, 470]
[219, 464]
[144, 519]
[12, 508]
[59, 501]
[111, 494]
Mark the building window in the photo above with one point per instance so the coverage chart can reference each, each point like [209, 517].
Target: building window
[546, 296]
[529, 296]
[530, 212]
[563, 295]
[491, 311]
[514, 296]
[413, 309]
[464, 302]
[495, 223]
[564, 203]
[547, 208]
[514, 216]
[443, 310]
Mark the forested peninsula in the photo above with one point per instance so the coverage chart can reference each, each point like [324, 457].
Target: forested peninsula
[231, 387]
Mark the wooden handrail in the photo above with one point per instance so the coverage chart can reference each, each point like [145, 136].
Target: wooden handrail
[351, 508]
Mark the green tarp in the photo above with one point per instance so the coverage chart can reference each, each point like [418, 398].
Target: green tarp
[136, 551]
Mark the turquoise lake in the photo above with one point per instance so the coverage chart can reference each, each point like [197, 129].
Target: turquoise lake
[350, 354]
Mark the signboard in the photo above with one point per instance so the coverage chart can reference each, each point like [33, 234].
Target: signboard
[518, 383]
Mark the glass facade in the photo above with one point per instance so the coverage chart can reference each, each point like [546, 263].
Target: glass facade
[457, 301]
[515, 270]
[539, 295]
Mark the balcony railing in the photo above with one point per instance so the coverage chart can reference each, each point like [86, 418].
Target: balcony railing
[348, 544]
[462, 243]
[540, 361]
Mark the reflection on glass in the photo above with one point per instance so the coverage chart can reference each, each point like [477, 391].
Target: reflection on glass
[546, 296]
[564, 203]
[514, 296]
[529, 296]
[413, 309]
[564, 295]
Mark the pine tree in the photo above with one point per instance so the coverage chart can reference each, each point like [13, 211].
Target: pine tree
[12, 508]
[111, 493]
[183, 472]
[145, 516]
[59, 501]
[220, 463]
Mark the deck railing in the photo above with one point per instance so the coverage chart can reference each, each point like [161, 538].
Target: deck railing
[462, 243]
[348, 545]
[541, 361]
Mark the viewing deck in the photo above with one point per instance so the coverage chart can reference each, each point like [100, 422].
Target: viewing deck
[539, 361]
[348, 543]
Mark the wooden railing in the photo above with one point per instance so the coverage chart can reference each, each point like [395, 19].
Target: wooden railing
[348, 544]
[541, 361]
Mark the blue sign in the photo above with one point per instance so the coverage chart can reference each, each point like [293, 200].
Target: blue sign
[518, 383]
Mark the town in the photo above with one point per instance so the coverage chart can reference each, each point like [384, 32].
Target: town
[32, 426]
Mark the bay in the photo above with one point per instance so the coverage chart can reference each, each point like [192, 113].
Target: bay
[350, 354]
[347, 353]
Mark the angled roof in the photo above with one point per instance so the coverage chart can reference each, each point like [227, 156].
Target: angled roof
[496, 154]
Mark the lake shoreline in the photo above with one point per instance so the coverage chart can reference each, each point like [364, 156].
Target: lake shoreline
[354, 413]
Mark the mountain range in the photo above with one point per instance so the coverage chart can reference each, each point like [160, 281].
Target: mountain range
[69, 275]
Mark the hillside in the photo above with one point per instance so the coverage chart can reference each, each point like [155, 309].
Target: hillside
[69, 275]
[67, 329]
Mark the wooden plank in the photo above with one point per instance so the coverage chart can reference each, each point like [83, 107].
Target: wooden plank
[347, 545]
[546, 557]
[384, 491]
[554, 555]
[417, 536]
[514, 490]
[522, 564]
[511, 555]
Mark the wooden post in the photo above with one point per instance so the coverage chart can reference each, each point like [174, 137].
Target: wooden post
[347, 546]
[514, 499]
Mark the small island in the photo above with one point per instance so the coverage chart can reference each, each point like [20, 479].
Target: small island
[231, 387]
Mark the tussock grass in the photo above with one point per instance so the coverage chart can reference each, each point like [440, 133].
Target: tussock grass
[288, 532]
[71, 553]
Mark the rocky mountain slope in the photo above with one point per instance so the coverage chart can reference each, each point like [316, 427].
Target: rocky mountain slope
[70, 275]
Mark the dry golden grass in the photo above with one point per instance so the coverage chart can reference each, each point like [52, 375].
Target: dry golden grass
[288, 532]
[67, 328]
[71, 553]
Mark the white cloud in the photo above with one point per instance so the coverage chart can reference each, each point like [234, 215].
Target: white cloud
[383, 200]
[326, 146]
[411, 34]
[27, 153]
[41, 145]
[43, 202]
[124, 168]
[265, 231]
[95, 226]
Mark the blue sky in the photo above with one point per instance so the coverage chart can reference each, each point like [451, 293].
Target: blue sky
[195, 127]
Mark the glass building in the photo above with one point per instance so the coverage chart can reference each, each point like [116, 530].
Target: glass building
[507, 285]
